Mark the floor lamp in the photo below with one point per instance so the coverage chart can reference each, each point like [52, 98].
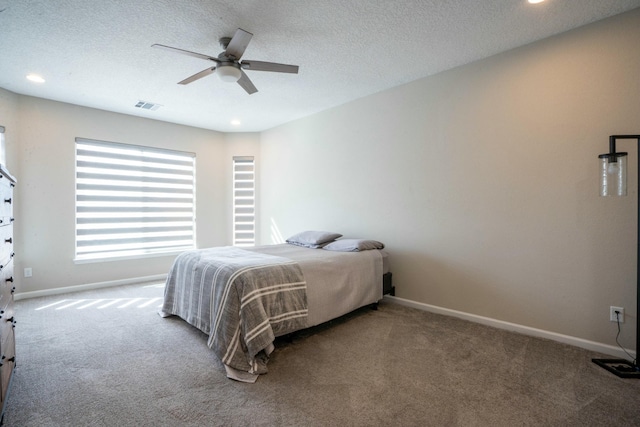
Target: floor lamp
[613, 182]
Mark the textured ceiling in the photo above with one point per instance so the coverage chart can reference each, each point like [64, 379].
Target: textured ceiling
[97, 53]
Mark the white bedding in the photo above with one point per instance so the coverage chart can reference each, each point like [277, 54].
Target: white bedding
[337, 282]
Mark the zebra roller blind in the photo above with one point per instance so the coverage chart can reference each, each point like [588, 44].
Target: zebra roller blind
[132, 200]
[244, 203]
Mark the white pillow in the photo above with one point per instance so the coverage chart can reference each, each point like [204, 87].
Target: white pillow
[353, 245]
[313, 239]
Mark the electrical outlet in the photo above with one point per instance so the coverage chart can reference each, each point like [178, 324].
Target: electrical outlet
[28, 272]
[615, 317]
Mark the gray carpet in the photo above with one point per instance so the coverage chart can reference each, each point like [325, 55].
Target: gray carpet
[105, 358]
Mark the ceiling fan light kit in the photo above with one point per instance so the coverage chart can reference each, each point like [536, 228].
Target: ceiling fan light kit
[228, 66]
[229, 73]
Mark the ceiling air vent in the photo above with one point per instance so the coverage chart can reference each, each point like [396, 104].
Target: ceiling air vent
[148, 105]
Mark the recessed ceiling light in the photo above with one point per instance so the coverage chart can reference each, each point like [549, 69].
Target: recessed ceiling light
[535, 1]
[35, 78]
[236, 122]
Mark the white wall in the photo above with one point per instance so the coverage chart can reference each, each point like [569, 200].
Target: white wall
[483, 182]
[9, 119]
[41, 154]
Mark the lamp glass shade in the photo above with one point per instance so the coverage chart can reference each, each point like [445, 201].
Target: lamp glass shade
[228, 73]
[613, 174]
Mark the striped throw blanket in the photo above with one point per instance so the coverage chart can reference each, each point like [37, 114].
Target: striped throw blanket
[241, 299]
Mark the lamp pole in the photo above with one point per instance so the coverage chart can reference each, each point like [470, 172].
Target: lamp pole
[613, 183]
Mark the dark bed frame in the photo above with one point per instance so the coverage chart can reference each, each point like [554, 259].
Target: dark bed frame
[387, 288]
[387, 285]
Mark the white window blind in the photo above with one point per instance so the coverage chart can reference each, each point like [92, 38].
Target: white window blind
[132, 200]
[244, 225]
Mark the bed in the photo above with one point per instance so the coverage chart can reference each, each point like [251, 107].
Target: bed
[244, 298]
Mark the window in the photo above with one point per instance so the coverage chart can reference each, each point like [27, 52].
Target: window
[132, 200]
[244, 224]
[3, 159]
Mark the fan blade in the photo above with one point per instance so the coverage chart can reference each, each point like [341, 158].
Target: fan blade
[269, 66]
[186, 52]
[238, 44]
[246, 83]
[197, 76]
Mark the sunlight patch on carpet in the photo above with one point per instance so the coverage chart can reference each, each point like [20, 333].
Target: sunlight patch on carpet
[101, 303]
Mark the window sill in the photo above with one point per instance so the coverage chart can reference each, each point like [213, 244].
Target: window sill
[129, 257]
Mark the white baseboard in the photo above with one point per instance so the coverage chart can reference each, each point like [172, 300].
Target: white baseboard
[526, 330]
[67, 289]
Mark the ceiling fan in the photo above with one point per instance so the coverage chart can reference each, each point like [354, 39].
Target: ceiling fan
[228, 65]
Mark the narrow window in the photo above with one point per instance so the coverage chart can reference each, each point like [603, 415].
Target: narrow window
[244, 209]
[132, 200]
